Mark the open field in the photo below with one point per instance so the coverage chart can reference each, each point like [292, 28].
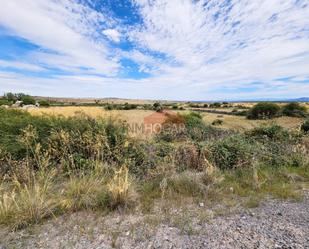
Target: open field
[137, 116]
[96, 112]
[62, 170]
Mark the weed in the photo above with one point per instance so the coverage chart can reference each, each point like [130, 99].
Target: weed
[120, 189]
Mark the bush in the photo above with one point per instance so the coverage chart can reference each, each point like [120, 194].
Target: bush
[10, 97]
[83, 135]
[12, 122]
[128, 106]
[198, 130]
[5, 102]
[157, 107]
[276, 154]
[189, 156]
[28, 100]
[305, 126]
[264, 110]
[232, 152]
[44, 103]
[217, 122]
[274, 132]
[294, 109]
[215, 105]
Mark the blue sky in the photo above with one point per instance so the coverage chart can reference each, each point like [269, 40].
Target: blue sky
[155, 49]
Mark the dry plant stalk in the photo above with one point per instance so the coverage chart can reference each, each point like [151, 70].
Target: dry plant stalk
[119, 186]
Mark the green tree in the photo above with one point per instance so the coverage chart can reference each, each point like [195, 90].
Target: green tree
[11, 97]
[44, 103]
[294, 109]
[27, 100]
[264, 110]
[157, 107]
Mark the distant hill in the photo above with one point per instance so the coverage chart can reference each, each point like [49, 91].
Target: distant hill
[148, 101]
[303, 99]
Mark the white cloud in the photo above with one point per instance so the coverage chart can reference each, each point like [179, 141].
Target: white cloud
[62, 26]
[212, 43]
[190, 48]
[20, 65]
[112, 34]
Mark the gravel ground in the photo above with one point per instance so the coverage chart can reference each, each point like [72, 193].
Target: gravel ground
[275, 224]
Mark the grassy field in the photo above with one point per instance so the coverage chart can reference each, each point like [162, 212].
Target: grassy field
[137, 116]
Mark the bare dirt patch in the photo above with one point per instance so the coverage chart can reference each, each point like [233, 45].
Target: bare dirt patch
[275, 224]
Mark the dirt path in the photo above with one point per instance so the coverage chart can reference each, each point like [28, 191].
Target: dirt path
[275, 224]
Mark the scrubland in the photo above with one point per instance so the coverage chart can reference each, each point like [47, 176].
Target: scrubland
[137, 116]
[53, 165]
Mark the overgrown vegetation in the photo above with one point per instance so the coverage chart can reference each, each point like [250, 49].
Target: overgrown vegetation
[294, 109]
[305, 126]
[50, 165]
[268, 110]
[11, 98]
[264, 110]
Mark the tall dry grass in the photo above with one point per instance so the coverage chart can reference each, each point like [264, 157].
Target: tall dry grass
[65, 165]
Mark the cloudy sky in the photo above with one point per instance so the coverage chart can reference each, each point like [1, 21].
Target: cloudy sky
[155, 49]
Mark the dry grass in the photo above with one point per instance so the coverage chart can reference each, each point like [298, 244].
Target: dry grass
[130, 116]
[120, 188]
[137, 116]
[242, 123]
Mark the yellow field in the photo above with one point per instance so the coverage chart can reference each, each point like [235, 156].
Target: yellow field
[242, 123]
[137, 116]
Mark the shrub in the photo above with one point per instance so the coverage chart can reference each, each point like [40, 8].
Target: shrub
[198, 130]
[305, 126]
[79, 137]
[28, 100]
[215, 105]
[232, 152]
[128, 106]
[193, 105]
[11, 97]
[264, 110]
[157, 107]
[44, 103]
[120, 189]
[217, 122]
[274, 132]
[5, 102]
[294, 109]
[276, 154]
[139, 157]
